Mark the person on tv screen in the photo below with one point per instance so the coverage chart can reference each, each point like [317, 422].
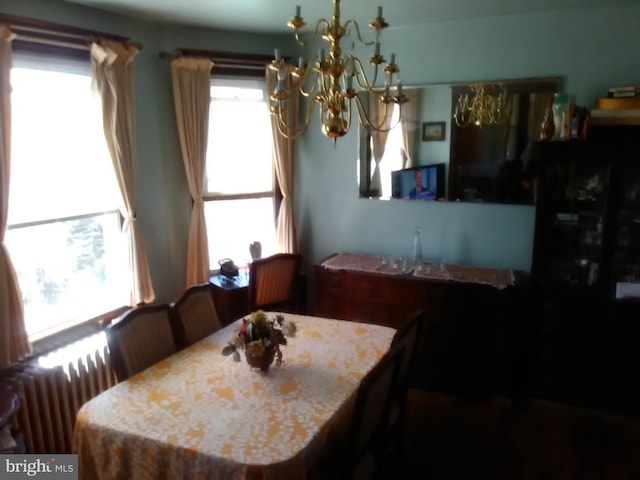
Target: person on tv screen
[420, 192]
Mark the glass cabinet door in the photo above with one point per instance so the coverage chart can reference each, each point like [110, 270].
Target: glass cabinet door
[570, 222]
[625, 268]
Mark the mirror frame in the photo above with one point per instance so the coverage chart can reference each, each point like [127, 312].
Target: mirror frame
[551, 84]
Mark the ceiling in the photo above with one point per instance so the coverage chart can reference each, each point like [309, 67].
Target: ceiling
[271, 16]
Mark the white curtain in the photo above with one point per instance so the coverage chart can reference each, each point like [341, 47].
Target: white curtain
[112, 70]
[14, 342]
[379, 114]
[284, 159]
[191, 78]
[409, 124]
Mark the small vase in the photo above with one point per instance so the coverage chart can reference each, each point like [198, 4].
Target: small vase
[548, 127]
[264, 361]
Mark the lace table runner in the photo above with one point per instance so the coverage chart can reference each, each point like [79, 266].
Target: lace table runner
[433, 271]
[350, 261]
[462, 273]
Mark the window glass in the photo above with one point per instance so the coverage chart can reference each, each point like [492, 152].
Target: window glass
[234, 224]
[240, 143]
[239, 208]
[64, 233]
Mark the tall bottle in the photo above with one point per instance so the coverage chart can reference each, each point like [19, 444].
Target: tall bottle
[417, 246]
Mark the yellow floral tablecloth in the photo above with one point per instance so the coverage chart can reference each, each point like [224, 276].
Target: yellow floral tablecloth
[199, 414]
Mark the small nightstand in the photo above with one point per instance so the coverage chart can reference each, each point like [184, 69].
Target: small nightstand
[231, 297]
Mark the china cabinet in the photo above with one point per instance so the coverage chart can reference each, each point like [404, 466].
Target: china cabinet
[587, 232]
[586, 269]
[625, 253]
[572, 211]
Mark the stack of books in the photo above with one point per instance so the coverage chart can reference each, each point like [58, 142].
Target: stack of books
[631, 91]
[621, 107]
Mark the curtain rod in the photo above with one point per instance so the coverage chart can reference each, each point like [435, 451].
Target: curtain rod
[217, 61]
[227, 56]
[48, 33]
[228, 63]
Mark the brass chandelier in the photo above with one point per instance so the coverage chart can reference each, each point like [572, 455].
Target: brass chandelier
[329, 81]
[483, 107]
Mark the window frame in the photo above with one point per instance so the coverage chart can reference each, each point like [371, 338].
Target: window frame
[227, 76]
[75, 60]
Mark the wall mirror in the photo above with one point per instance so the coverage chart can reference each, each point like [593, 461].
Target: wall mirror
[483, 152]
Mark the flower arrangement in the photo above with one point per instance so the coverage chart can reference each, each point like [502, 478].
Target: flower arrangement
[260, 337]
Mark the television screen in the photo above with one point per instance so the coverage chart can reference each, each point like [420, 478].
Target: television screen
[426, 182]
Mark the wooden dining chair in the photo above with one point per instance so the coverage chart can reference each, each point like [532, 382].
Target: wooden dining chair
[405, 339]
[273, 282]
[362, 453]
[194, 315]
[140, 338]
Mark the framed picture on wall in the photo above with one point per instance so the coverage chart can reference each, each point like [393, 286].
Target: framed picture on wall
[433, 131]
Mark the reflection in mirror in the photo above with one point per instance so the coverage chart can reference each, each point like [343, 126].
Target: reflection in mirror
[485, 162]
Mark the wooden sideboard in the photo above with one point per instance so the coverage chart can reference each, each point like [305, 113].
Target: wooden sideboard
[514, 342]
[466, 347]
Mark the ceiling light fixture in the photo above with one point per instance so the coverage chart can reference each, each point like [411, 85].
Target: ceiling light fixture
[331, 81]
[483, 107]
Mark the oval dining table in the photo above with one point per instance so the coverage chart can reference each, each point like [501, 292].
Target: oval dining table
[199, 414]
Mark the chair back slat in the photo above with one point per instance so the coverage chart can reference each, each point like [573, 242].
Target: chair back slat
[407, 338]
[273, 281]
[195, 315]
[140, 338]
[370, 416]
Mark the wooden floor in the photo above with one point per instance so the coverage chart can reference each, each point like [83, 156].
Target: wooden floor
[449, 438]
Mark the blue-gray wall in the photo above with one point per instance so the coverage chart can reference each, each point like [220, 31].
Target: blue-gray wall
[435, 106]
[591, 49]
[163, 200]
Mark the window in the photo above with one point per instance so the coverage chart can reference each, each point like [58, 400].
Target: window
[393, 158]
[64, 230]
[239, 185]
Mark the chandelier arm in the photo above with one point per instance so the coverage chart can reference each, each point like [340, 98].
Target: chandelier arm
[366, 121]
[296, 33]
[397, 122]
[303, 81]
[348, 126]
[322, 82]
[327, 25]
[300, 42]
[357, 28]
[359, 72]
[294, 132]
[310, 106]
[286, 134]
[462, 120]
[362, 114]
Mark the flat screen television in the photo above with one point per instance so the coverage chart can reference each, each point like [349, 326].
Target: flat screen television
[431, 179]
